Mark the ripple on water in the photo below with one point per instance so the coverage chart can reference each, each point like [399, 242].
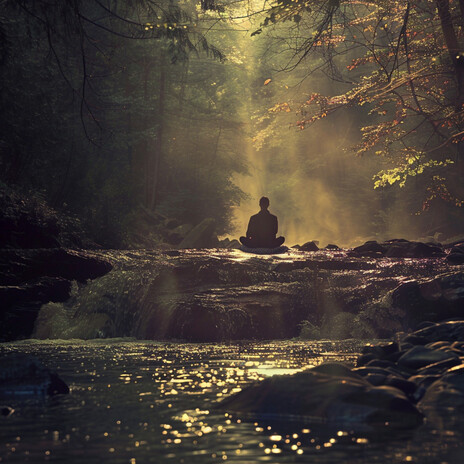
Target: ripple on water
[141, 402]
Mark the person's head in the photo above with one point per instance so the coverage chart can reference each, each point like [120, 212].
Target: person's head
[264, 202]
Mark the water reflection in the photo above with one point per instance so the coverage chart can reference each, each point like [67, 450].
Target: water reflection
[134, 402]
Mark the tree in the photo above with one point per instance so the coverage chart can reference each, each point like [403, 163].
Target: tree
[403, 62]
[91, 96]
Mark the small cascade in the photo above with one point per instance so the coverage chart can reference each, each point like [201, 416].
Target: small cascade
[217, 295]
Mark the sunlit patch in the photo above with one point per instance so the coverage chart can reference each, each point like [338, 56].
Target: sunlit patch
[186, 423]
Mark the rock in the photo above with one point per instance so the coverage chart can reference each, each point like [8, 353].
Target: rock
[381, 350]
[370, 248]
[419, 356]
[21, 304]
[220, 295]
[376, 379]
[22, 376]
[337, 400]
[201, 236]
[234, 245]
[6, 410]
[224, 243]
[456, 255]
[424, 324]
[439, 367]
[444, 395]
[415, 340]
[229, 244]
[309, 246]
[331, 246]
[335, 369]
[446, 331]
[405, 249]
[365, 359]
[19, 266]
[30, 278]
[437, 345]
[383, 363]
[406, 386]
[435, 299]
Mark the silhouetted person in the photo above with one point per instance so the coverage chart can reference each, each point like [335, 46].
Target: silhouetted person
[262, 229]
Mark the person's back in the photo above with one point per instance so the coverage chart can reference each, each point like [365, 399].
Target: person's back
[262, 229]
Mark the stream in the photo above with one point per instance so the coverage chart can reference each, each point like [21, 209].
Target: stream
[154, 402]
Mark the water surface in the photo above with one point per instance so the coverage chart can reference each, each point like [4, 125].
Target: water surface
[139, 402]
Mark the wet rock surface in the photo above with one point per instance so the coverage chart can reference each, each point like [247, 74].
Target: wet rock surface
[395, 385]
[23, 376]
[327, 394]
[30, 278]
[225, 294]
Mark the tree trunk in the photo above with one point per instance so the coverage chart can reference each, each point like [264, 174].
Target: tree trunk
[454, 49]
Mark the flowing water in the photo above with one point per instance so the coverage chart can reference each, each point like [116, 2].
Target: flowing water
[136, 402]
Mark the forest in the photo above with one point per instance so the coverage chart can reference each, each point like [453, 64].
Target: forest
[146, 317]
[347, 114]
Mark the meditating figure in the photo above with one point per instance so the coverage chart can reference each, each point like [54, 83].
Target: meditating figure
[262, 229]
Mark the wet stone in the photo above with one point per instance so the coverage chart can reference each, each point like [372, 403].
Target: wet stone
[309, 246]
[419, 356]
[415, 340]
[364, 371]
[450, 331]
[6, 410]
[446, 392]
[23, 376]
[439, 367]
[406, 386]
[376, 379]
[364, 359]
[380, 363]
[334, 399]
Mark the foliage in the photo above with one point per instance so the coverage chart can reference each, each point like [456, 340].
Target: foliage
[105, 108]
[401, 60]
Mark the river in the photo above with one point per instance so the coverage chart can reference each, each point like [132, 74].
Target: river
[137, 402]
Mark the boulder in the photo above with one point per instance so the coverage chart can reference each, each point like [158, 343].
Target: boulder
[443, 401]
[6, 410]
[22, 376]
[331, 246]
[229, 244]
[371, 249]
[445, 331]
[19, 266]
[21, 304]
[332, 396]
[406, 249]
[435, 299]
[419, 356]
[201, 236]
[309, 246]
[30, 278]
[456, 255]
[440, 366]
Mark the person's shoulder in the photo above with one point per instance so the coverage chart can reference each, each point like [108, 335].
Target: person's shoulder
[273, 216]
